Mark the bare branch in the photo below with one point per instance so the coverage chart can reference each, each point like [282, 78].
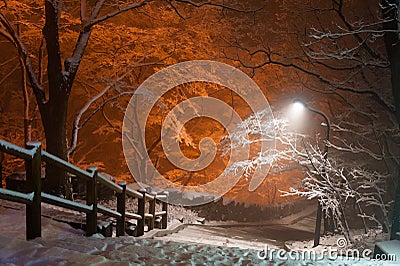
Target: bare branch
[76, 126]
[8, 74]
[83, 11]
[95, 20]
[272, 58]
[8, 60]
[8, 30]
[209, 3]
[97, 8]
[77, 122]
[72, 63]
[172, 4]
[331, 179]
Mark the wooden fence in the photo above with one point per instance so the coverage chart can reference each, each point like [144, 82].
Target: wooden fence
[34, 156]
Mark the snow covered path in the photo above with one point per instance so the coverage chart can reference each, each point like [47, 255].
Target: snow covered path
[241, 236]
[12, 222]
[299, 226]
[129, 251]
[63, 245]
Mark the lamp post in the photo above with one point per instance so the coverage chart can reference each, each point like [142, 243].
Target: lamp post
[298, 104]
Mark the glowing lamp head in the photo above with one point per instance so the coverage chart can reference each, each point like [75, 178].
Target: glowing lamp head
[298, 106]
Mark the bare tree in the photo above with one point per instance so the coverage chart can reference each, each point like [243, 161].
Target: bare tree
[61, 72]
[347, 58]
[331, 180]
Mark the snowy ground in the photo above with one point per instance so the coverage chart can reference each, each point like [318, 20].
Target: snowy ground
[334, 246]
[12, 221]
[361, 241]
[63, 245]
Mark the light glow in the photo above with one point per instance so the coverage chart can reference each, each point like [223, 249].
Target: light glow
[298, 107]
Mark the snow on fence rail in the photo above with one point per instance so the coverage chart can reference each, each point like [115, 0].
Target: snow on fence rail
[34, 155]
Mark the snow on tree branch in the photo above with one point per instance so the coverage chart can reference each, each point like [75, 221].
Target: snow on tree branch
[330, 179]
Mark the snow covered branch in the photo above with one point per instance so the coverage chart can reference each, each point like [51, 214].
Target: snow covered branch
[330, 179]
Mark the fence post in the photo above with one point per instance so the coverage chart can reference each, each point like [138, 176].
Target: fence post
[91, 200]
[121, 209]
[164, 218]
[141, 212]
[152, 211]
[33, 182]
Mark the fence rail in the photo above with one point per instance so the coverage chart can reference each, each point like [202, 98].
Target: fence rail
[34, 155]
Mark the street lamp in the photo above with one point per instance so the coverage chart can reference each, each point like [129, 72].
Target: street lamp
[298, 106]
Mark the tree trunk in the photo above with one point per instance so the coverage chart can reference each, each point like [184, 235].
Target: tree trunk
[54, 110]
[54, 116]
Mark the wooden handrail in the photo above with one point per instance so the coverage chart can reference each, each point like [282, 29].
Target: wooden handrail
[109, 212]
[149, 197]
[161, 197]
[15, 150]
[148, 216]
[109, 184]
[68, 204]
[16, 196]
[52, 159]
[161, 213]
[133, 216]
[134, 193]
[34, 155]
